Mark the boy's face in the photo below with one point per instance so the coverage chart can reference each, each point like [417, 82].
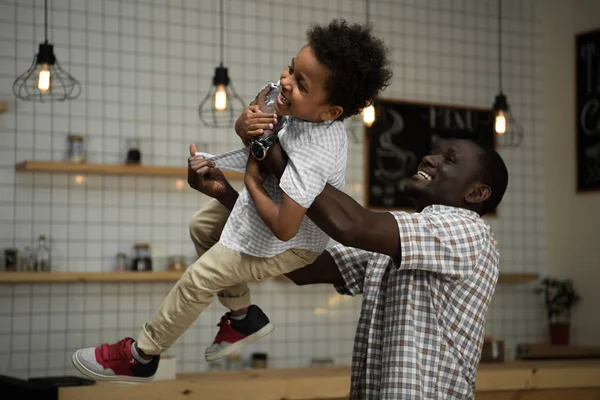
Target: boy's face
[302, 91]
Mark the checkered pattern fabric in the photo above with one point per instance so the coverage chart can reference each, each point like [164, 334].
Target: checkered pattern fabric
[317, 155]
[421, 327]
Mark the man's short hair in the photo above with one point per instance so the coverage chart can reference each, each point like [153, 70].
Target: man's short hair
[495, 175]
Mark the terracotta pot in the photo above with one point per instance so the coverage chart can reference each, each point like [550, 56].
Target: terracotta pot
[559, 334]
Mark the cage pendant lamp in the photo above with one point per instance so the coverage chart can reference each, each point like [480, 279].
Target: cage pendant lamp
[509, 133]
[46, 80]
[368, 113]
[221, 105]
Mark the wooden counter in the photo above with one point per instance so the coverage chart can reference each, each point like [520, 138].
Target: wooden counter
[571, 380]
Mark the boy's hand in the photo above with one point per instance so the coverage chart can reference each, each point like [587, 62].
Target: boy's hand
[253, 122]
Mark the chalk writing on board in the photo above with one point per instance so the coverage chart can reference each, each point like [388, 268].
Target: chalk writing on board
[403, 134]
[588, 110]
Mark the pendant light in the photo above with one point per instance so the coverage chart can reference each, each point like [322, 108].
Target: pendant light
[368, 113]
[46, 80]
[505, 125]
[217, 107]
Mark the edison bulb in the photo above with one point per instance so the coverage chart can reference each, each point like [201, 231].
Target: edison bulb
[500, 124]
[43, 82]
[369, 115]
[220, 98]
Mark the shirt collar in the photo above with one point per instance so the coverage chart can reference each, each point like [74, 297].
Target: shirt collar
[440, 208]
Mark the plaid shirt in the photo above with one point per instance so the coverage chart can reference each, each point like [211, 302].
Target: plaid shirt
[421, 327]
[317, 155]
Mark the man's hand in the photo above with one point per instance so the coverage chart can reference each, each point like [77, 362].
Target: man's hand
[253, 121]
[204, 177]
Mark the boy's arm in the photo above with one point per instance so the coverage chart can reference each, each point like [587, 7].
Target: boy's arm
[285, 220]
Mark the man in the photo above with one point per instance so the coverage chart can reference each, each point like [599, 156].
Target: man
[427, 278]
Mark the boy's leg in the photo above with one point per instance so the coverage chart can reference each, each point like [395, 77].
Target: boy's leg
[124, 361]
[236, 333]
[207, 225]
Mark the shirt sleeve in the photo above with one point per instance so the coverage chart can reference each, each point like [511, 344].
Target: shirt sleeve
[352, 264]
[306, 174]
[447, 245]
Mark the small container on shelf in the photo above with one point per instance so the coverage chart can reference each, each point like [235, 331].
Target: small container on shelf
[27, 260]
[134, 156]
[42, 255]
[177, 263]
[76, 149]
[143, 258]
[259, 360]
[121, 262]
[10, 259]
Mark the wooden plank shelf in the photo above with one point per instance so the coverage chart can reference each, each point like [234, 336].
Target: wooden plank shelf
[156, 276]
[91, 277]
[109, 169]
[3, 107]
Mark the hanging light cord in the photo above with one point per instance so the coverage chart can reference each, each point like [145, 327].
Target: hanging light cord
[222, 32]
[500, 44]
[46, 20]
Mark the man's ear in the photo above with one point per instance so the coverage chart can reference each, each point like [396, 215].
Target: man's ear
[332, 113]
[478, 193]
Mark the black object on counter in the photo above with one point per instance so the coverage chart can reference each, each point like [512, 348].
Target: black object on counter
[38, 388]
[259, 360]
[10, 256]
[143, 259]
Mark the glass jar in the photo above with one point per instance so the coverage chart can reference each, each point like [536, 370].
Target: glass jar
[76, 149]
[134, 156]
[176, 263]
[27, 260]
[121, 262]
[143, 259]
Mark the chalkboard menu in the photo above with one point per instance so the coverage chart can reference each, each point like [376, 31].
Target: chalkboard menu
[403, 133]
[588, 110]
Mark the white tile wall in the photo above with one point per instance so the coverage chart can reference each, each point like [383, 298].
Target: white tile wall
[145, 66]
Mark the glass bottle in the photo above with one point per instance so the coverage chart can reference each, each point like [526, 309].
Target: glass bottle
[134, 156]
[143, 259]
[10, 256]
[42, 255]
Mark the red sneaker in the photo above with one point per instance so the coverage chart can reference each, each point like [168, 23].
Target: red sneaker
[114, 362]
[234, 335]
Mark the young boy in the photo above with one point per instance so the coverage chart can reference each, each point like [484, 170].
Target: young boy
[339, 71]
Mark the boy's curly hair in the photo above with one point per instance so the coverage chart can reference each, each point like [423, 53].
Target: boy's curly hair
[358, 62]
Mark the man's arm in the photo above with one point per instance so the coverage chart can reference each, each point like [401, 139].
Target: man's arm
[342, 218]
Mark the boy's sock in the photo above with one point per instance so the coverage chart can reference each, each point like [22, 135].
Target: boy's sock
[237, 317]
[137, 356]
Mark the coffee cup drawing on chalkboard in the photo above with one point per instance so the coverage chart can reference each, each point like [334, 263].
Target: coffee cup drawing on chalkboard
[395, 165]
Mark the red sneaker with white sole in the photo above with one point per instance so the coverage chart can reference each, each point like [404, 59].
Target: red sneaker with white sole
[234, 335]
[114, 362]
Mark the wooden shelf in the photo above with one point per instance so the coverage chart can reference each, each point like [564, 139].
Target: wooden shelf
[517, 278]
[109, 169]
[3, 107]
[92, 277]
[158, 276]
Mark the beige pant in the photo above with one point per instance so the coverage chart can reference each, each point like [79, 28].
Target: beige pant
[218, 270]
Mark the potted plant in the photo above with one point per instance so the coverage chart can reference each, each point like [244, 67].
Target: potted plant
[560, 298]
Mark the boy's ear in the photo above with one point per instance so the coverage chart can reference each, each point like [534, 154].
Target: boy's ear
[331, 113]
